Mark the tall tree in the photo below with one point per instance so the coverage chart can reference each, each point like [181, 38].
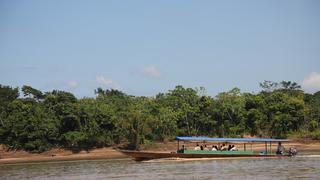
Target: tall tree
[31, 93]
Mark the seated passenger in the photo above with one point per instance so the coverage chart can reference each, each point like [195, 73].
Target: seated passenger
[280, 149]
[234, 148]
[205, 148]
[229, 147]
[201, 147]
[292, 151]
[214, 148]
[223, 147]
[197, 147]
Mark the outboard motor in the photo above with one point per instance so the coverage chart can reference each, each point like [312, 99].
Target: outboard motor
[292, 151]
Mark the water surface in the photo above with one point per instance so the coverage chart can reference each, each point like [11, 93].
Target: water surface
[307, 167]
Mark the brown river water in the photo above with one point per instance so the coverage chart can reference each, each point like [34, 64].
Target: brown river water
[300, 167]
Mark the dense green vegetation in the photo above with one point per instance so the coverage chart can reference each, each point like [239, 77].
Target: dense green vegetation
[37, 121]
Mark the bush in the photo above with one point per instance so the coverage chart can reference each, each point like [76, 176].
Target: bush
[315, 134]
[73, 139]
[37, 146]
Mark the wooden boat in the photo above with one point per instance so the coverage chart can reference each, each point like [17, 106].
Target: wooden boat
[183, 153]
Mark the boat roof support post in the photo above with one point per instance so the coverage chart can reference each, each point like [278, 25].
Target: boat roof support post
[178, 145]
[266, 148]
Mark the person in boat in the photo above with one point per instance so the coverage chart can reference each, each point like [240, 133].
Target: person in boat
[229, 147]
[292, 151]
[223, 147]
[280, 149]
[214, 148]
[233, 148]
[201, 147]
[205, 148]
[197, 147]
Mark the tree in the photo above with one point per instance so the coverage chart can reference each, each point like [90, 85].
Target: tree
[290, 85]
[137, 123]
[312, 112]
[230, 113]
[28, 126]
[32, 93]
[38, 121]
[207, 121]
[185, 102]
[268, 86]
[98, 122]
[285, 113]
[164, 122]
[7, 95]
[256, 119]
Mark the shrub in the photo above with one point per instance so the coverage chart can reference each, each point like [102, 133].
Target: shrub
[315, 134]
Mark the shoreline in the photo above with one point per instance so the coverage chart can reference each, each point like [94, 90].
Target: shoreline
[11, 157]
[16, 157]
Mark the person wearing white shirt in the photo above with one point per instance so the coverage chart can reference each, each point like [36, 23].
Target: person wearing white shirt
[197, 147]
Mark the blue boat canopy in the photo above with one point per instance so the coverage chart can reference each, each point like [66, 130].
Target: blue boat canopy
[203, 138]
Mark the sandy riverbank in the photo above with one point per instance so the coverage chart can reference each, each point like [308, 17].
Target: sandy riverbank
[304, 147]
[58, 155]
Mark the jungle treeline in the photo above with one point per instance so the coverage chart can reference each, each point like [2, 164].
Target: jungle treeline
[37, 121]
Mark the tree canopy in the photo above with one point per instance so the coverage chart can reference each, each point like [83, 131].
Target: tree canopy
[38, 121]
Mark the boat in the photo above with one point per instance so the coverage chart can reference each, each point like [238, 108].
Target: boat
[183, 152]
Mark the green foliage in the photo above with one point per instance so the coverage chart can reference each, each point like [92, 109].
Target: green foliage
[32, 93]
[137, 122]
[315, 134]
[39, 121]
[8, 94]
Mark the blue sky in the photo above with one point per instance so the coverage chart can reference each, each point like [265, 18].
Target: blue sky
[146, 47]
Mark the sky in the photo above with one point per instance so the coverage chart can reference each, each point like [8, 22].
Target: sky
[147, 47]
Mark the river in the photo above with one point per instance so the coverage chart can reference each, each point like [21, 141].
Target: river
[307, 167]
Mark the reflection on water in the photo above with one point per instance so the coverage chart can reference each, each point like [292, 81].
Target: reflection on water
[278, 168]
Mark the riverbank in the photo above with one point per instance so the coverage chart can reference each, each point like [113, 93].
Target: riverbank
[6, 157]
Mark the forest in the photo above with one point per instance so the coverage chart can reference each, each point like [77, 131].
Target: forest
[37, 121]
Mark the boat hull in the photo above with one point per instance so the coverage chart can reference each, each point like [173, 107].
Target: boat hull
[145, 155]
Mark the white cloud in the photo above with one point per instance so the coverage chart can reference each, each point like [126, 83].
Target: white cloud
[72, 84]
[108, 83]
[312, 82]
[151, 71]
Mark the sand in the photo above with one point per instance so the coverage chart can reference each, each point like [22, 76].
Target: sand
[58, 155]
[7, 157]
